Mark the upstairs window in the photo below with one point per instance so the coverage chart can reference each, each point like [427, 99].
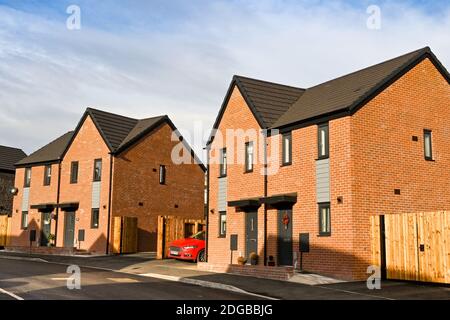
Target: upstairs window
[428, 151]
[98, 170]
[249, 157]
[223, 162]
[323, 141]
[47, 175]
[162, 174]
[286, 149]
[27, 178]
[74, 172]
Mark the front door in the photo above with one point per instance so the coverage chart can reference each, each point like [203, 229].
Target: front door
[69, 229]
[46, 219]
[251, 233]
[285, 237]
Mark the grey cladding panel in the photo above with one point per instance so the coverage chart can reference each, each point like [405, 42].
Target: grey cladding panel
[96, 194]
[25, 199]
[222, 194]
[323, 180]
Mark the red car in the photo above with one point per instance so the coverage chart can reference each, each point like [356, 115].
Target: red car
[192, 248]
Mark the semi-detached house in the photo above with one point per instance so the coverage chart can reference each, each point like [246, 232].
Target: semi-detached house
[109, 166]
[374, 142]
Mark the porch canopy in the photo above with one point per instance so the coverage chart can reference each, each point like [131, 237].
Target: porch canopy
[44, 207]
[68, 206]
[245, 204]
[280, 199]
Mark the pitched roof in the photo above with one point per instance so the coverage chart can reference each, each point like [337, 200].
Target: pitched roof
[113, 127]
[349, 92]
[269, 100]
[9, 156]
[48, 153]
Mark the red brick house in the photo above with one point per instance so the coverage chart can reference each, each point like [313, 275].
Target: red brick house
[109, 166]
[376, 141]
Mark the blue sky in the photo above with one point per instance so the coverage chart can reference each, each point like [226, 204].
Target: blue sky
[144, 58]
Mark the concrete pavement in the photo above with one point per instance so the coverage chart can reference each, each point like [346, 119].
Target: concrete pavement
[140, 264]
[36, 280]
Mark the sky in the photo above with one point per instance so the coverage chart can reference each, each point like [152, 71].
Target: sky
[147, 58]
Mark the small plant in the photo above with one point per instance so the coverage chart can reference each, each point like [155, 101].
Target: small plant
[51, 238]
[254, 258]
[242, 260]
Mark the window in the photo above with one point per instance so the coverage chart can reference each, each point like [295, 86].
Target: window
[74, 172]
[323, 141]
[324, 219]
[94, 218]
[162, 174]
[189, 229]
[47, 175]
[286, 149]
[223, 162]
[98, 170]
[24, 220]
[249, 157]
[222, 224]
[27, 178]
[427, 145]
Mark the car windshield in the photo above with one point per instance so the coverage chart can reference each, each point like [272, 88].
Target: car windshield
[199, 235]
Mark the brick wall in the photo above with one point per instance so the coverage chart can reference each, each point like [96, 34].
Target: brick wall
[87, 146]
[384, 156]
[138, 193]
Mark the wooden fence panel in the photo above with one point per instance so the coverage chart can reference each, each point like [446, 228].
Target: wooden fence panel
[375, 240]
[171, 228]
[4, 230]
[416, 246]
[125, 235]
[129, 234]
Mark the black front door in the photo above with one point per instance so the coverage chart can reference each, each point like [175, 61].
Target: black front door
[46, 220]
[251, 233]
[69, 229]
[285, 237]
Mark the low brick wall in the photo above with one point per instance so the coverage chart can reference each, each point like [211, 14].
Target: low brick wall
[42, 250]
[275, 273]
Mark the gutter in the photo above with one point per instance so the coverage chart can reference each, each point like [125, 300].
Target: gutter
[108, 230]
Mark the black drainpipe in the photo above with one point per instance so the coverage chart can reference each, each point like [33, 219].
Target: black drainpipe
[207, 202]
[265, 195]
[109, 201]
[57, 202]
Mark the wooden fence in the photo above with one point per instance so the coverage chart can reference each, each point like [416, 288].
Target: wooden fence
[172, 228]
[417, 246]
[125, 235]
[5, 230]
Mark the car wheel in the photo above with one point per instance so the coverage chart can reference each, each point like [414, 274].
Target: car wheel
[201, 256]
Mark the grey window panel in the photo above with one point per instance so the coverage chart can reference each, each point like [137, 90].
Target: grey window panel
[25, 199]
[222, 195]
[323, 180]
[96, 194]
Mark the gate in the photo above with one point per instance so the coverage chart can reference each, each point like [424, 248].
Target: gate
[171, 228]
[5, 225]
[125, 235]
[416, 246]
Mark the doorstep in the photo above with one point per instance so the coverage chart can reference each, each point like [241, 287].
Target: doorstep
[258, 271]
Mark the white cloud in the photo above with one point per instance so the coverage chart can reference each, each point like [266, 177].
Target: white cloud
[48, 74]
